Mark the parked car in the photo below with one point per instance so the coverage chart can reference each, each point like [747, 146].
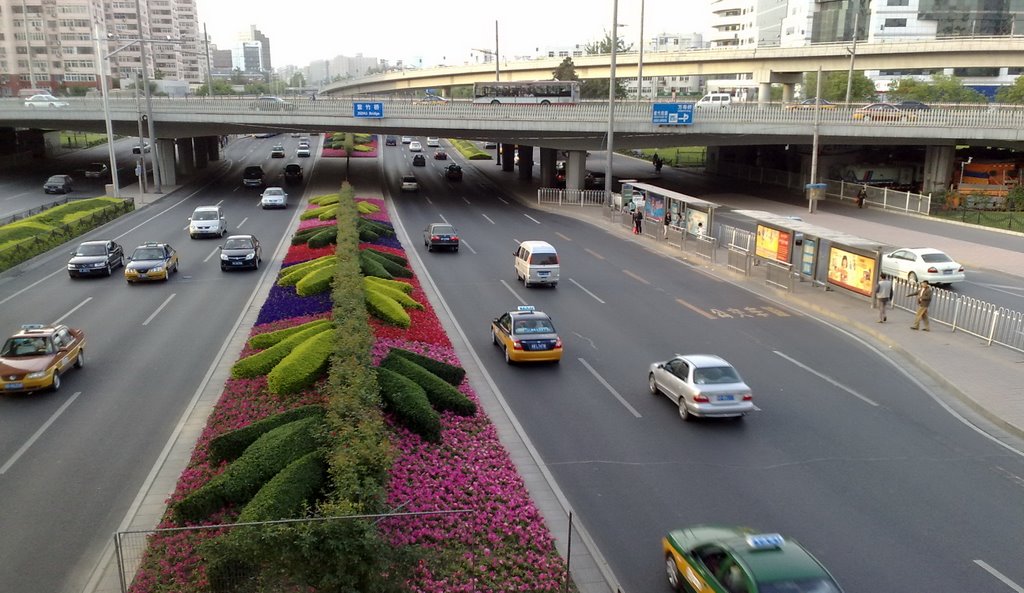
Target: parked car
[419, 161]
[253, 176]
[272, 104]
[240, 252]
[44, 100]
[701, 385]
[923, 263]
[96, 170]
[293, 173]
[57, 184]
[452, 172]
[95, 258]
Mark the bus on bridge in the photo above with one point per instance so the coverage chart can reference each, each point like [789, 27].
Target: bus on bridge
[529, 92]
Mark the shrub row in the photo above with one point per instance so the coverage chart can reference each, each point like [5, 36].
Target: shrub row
[409, 404]
[470, 150]
[386, 309]
[317, 281]
[303, 366]
[366, 207]
[291, 276]
[450, 373]
[398, 259]
[442, 396]
[305, 235]
[396, 284]
[332, 210]
[231, 445]
[263, 362]
[372, 267]
[262, 460]
[286, 494]
[393, 268]
[393, 293]
[325, 199]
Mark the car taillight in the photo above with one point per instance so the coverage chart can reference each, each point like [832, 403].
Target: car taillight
[933, 270]
[747, 397]
[454, 237]
[961, 269]
[701, 398]
[435, 238]
[517, 345]
[558, 342]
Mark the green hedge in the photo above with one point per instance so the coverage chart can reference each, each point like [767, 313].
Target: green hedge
[366, 207]
[305, 235]
[316, 212]
[470, 150]
[386, 309]
[317, 281]
[377, 227]
[325, 199]
[291, 277]
[408, 402]
[263, 362]
[267, 456]
[398, 259]
[323, 238]
[442, 396]
[371, 267]
[402, 297]
[303, 366]
[231, 445]
[262, 341]
[287, 494]
[396, 284]
[450, 373]
[395, 269]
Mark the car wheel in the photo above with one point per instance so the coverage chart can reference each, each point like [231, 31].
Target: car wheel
[430, 247]
[508, 359]
[652, 385]
[120, 262]
[494, 338]
[55, 386]
[911, 277]
[456, 248]
[675, 580]
[683, 412]
[80, 359]
[109, 270]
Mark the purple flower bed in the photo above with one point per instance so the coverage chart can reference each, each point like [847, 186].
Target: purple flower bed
[282, 303]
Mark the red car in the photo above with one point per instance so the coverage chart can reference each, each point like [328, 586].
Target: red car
[440, 155]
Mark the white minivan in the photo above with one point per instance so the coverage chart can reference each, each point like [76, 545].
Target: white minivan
[207, 221]
[536, 263]
[715, 100]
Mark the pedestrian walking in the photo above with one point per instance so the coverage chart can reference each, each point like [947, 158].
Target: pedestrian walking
[861, 196]
[657, 163]
[924, 299]
[668, 221]
[883, 294]
[638, 219]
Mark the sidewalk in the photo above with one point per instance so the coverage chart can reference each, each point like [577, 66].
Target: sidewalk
[985, 379]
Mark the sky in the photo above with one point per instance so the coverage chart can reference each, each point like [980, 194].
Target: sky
[426, 33]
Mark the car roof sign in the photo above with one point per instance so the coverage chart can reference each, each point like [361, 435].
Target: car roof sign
[765, 541]
[526, 308]
[30, 326]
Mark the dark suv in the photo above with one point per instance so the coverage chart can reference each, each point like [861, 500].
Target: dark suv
[253, 176]
[57, 184]
[293, 173]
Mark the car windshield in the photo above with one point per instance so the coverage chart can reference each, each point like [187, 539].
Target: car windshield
[91, 250]
[713, 375]
[238, 244]
[24, 346]
[204, 215]
[818, 585]
[534, 326]
[145, 253]
[408, 179]
[293, 168]
[443, 229]
[935, 258]
[253, 172]
[96, 167]
[55, 179]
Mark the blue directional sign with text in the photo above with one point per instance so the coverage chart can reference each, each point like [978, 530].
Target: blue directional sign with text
[368, 109]
[672, 114]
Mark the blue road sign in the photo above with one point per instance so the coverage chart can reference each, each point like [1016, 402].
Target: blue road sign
[368, 109]
[672, 114]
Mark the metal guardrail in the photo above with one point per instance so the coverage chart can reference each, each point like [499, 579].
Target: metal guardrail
[779, 274]
[33, 211]
[571, 197]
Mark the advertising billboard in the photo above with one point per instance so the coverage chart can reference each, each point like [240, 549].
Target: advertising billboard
[851, 271]
[773, 244]
[696, 222]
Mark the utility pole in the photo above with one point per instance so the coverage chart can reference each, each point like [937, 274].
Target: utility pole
[640, 62]
[209, 70]
[853, 56]
[611, 105]
[814, 145]
[149, 108]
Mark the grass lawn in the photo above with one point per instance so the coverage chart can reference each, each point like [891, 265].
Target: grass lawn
[1013, 221]
[72, 139]
[682, 156]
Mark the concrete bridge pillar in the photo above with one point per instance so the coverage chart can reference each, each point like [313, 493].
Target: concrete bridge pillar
[764, 92]
[525, 161]
[186, 156]
[787, 92]
[8, 141]
[939, 162]
[548, 160]
[508, 157]
[212, 148]
[576, 169]
[33, 141]
[168, 176]
[201, 151]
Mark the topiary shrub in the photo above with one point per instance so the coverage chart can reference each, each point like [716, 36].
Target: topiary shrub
[292, 277]
[268, 455]
[330, 213]
[386, 308]
[323, 239]
[325, 199]
[396, 284]
[376, 227]
[396, 270]
[366, 207]
[450, 373]
[372, 267]
[303, 235]
[442, 396]
[403, 299]
[286, 495]
[303, 366]
[316, 212]
[317, 281]
[398, 259]
[231, 445]
[262, 362]
[262, 341]
[409, 404]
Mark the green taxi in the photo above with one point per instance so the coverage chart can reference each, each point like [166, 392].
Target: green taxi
[718, 559]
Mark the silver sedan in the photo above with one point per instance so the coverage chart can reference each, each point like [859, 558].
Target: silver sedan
[702, 385]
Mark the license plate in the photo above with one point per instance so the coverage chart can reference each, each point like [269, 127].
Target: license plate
[142, 274]
[725, 398]
[537, 347]
[947, 271]
[236, 263]
[543, 273]
[14, 385]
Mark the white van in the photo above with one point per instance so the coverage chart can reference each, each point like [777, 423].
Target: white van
[715, 100]
[207, 221]
[536, 263]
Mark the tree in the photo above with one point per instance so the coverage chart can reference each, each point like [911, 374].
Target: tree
[941, 89]
[298, 80]
[833, 87]
[220, 87]
[1013, 93]
[565, 71]
[604, 46]
[598, 88]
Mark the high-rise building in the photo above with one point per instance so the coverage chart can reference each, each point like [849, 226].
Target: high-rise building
[176, 20]
[252, 34]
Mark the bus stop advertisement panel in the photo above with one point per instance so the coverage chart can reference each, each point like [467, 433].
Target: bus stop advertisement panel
[774, 244]
[852, 269]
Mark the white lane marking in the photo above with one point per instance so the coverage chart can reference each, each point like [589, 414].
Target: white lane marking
[427, 198]
[985, 566]
[563, 237]
[468, 246]
[488, 218]
[158, 309]
[241, 223]
[610, 389]
[1010, 290]
[68, 314]
[443, 219]
[510, 289]
[532, 218]
[500, 199]
[580, 286]
[32, 439]
[466, 201]
[24, 193]
[212, 253]
[827, 379]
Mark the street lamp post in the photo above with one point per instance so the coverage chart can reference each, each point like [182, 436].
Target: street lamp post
[106, 112]
[960, 183]
[640, 61]
[611, 105]
[149, 110]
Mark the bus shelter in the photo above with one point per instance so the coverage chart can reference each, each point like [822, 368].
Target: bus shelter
[687, 215]
[791, 248]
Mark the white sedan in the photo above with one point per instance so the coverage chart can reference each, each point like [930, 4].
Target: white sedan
[922, 263]
[415, 146]
[44, 101]
[702, 385]
[273, 197]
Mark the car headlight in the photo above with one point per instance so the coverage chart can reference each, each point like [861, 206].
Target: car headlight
[250, 255]
[72, 266]
[36, 375]
[157, 269]
[98, 264]
[224, 257]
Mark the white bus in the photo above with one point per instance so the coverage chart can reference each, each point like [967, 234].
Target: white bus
[530, 92]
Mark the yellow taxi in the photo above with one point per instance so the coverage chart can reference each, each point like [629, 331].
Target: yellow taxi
[526, 335]
[151, 261]
[35, 358]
